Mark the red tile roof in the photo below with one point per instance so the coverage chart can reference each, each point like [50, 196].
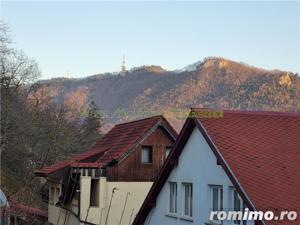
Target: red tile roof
[21, 210]
[260, 152]
[263, 152]
[55, 167]
[115, 143]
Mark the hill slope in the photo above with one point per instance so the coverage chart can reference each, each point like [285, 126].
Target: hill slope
[213, 82]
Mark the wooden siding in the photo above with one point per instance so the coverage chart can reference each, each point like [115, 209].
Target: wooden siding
[131, 168]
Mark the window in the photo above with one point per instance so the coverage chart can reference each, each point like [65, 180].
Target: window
[168, 150]
[57, 194]
[217, 199]
[51, 195]
[94, 194]
[146, 154]
[188, 199]
[76, 198]
[173, 198]
[238, 206]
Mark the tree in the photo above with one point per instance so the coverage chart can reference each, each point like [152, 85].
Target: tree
[35, 130]
[15, 67]
[92, 124]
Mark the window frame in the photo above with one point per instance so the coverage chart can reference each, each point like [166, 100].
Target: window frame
[241, 206]
[187, 208]
[175, 200]
[150, 154]
[220, 200]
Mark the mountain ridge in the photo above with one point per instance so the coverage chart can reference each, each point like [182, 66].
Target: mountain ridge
[216, 82]
[188, 68]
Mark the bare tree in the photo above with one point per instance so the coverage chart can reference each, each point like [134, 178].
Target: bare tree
[15, 67]
[35, 130]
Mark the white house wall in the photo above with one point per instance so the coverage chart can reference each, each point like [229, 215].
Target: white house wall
[98, 215]
[56, 215]
[137, 194]
[197, 165]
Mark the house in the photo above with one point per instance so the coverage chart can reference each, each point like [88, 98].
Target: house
[14, 213]
[228, 160]
[22, 214]
[108, 183]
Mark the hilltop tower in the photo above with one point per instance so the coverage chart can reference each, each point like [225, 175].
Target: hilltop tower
[123, 67]
[67, 75]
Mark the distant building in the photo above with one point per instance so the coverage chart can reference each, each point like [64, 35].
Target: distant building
[108, 184]
[242, 160]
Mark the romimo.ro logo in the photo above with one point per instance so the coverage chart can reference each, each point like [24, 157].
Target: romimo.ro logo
[252, 215]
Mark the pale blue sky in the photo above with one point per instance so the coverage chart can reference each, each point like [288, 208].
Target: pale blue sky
[91, 37]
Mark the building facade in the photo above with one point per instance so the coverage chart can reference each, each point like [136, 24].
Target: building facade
[230, 163]
[108, 184]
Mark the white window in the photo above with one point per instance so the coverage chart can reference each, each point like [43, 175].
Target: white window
[173, 198]
[238, 206]
[168, 150]
[188, 199]
[217, 199]
[146, 154]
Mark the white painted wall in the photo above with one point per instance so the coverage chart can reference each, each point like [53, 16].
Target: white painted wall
[137, 193]
[197, 165]
[56, 215]
[98, 215]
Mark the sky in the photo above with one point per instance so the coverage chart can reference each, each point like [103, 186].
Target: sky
[82, 38]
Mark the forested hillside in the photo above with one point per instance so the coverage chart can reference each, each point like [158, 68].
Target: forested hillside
[213, 82]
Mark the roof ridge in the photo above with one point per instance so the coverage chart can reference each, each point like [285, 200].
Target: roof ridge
[140, 120]
[250, 112]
